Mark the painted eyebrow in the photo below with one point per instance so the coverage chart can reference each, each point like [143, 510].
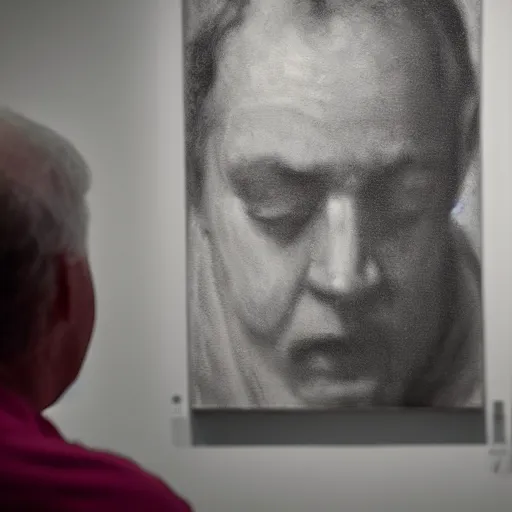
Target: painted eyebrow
[250, 179]
[244, 173]
[266, 164]
[398, 158]
[390, 166]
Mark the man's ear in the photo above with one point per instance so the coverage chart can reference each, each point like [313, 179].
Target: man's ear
[55, 317]
[61, 306]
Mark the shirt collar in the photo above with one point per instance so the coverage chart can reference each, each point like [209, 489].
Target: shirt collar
[18, 415]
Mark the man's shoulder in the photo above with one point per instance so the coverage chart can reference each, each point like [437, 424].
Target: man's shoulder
[68, 476]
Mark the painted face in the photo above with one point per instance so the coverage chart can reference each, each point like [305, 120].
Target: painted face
[326, 198]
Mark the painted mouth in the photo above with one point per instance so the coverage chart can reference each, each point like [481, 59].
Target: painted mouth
[333, 371]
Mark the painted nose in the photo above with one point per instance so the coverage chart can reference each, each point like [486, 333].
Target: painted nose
[339, 265]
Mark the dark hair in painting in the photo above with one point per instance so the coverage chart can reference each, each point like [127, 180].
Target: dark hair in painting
[200, 73]
[442, 17]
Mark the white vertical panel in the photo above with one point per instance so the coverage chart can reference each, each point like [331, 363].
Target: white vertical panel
[497, 205]
[170, 196]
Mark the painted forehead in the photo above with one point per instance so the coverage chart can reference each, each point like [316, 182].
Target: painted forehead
[279, 53]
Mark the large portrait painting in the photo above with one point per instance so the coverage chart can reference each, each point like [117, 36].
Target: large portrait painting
[333, 179]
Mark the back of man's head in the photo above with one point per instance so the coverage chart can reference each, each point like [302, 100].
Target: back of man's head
[43, 229]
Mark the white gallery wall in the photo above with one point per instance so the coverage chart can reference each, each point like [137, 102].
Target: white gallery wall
[107, 73]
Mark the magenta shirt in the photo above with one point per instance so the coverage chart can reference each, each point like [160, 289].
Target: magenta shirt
[40, 471]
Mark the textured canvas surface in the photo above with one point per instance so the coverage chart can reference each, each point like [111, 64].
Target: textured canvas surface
[333, 180]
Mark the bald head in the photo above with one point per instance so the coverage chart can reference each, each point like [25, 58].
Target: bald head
[22, 162]
[48, 167]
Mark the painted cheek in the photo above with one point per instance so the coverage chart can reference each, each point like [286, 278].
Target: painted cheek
[410, 259]
[412, 268]
[262, 276]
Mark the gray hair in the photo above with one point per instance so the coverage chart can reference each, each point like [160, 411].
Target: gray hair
[43, 212]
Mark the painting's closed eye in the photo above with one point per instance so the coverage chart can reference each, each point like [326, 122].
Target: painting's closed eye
[284, 225]
[413, 190]
[279, 201]
[401, 199]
